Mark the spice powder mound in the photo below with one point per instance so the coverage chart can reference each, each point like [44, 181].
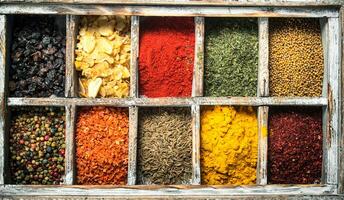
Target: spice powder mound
[164, 146]
[296, 60]
[102, 146]
[231, 57]
[229, 145]
[295, 146]
[166, 56]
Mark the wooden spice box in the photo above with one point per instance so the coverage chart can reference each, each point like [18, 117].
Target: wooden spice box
[330, 100]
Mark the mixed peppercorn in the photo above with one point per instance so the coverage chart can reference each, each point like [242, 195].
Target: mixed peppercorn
[37, 145]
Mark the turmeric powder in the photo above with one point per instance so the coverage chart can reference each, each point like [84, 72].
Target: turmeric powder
[229, 145]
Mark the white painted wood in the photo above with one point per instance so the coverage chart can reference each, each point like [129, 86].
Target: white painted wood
[263, 91]
[142, 10]
[192, 2]
[334, 101]
[196, 142]
[134, 56]
[183, 191]
[3, 110]
[263, 57]
[170, 101]
[71, 86]
[70, 168]
[197, 81]
[133, 127]
[324, 39]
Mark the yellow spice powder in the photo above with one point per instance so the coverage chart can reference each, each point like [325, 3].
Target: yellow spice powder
[229, 145]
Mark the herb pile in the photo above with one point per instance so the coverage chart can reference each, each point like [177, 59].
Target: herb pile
[37, 145]
[231, 57]
[164, 146]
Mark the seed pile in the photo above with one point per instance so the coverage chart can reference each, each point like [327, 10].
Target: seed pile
[229, 145]
[164, 146]
[296, 60]
[103, 56]
[231, 57]
[37, 58]
[102, 146]
[166, 56]
[37, 145]
[295, 146]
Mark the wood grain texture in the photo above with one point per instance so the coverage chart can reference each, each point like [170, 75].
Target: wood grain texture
[334, 101]
[196, 143]
[193, 2]
[142, 10]
[71, 86]
[263, 57]
[262, 177]
[134, 56]
[155, 190]
[70, 166]
[133, 127]
[341, 149]
[197, 81]
[3, 108]
[170, 101]
[178, 197]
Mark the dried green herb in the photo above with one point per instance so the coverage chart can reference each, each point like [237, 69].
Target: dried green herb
[164, 146]
[231, 57]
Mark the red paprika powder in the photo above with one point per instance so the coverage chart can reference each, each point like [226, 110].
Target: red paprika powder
[166, 56]
[295, 146]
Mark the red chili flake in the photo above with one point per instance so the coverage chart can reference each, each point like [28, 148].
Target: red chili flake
[102, 146]
[295, 146]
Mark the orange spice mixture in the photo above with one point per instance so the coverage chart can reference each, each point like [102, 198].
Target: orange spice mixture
[102, 146]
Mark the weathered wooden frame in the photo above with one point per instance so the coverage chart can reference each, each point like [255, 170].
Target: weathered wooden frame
[330, 100]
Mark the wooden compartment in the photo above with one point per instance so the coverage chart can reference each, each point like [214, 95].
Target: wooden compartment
[329, 101]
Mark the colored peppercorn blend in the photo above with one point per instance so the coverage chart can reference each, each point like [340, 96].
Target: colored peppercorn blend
[296, 60]
[103, 56]
[102, 146]
[229, 145]
[37, 57]
[231, 57]
[37, 145]
[164, 146]
[166, 56]
[295, 146]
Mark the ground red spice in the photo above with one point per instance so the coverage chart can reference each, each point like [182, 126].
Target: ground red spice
[166, 56]
[295, 146]
[102, 146]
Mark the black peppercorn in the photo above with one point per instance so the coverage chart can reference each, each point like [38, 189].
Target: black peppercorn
[37, 55]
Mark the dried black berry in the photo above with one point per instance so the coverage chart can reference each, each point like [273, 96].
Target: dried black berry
[37, 55]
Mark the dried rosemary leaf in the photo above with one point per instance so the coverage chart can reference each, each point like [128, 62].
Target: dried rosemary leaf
[164, 146]
[231, 57]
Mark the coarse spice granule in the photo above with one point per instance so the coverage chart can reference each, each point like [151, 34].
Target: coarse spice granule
[231, 57]
[38, 48]
[102, 146]
[166, 56]
[37, 145]
[296, 60]
[295, 146]
[229, 145]
[164, 146]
